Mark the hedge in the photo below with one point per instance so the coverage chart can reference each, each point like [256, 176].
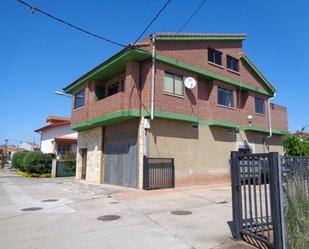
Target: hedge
[17, 160]
[37, 163]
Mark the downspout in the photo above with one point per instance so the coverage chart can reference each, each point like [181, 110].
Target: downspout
[269, 121]
[153, 69]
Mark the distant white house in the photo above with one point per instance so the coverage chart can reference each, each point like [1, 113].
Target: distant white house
[27, 146]
[57, 136]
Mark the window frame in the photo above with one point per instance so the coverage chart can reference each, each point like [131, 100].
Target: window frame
[214, 56]
[173, 76]
[76, 96]
[225, 90]
[256, 99]
[228, 57]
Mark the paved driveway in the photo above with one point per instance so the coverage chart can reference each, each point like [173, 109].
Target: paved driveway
[69, 218]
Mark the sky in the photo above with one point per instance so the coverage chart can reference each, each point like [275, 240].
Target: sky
[39, 55]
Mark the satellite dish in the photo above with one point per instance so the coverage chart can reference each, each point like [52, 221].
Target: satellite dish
[190, 82]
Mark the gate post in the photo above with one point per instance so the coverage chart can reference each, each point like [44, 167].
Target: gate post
[236, 195]
[275, 189]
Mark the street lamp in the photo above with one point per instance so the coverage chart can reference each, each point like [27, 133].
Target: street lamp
[62, 94]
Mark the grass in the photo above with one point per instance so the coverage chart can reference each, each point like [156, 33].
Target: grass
[297, 215]
[25, 174]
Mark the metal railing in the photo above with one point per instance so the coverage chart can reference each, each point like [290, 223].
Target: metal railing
[159, 173]
[271, 199]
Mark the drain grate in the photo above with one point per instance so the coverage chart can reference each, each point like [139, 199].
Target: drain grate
[49, 200]
[114, 202]
[31, 209]
[181, 212]
[108, 217]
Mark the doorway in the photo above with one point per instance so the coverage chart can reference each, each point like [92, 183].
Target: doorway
[84, 163]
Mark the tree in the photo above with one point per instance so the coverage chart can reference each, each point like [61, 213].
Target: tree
[295, 146]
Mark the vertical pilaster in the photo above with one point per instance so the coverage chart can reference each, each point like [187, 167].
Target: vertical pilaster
[141, 148]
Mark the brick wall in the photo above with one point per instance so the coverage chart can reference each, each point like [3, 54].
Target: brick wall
[202, 101]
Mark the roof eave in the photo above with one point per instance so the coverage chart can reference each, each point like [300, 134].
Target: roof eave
[245, 59]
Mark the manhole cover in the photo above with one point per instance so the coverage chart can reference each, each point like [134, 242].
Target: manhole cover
[49, 200]
[181, 212]
[31, 209]
[108, 217]
[114, 202]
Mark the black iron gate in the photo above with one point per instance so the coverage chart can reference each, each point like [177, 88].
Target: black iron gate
[256, 199]
[159, 173]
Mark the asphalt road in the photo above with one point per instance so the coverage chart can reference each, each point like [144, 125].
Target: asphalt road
[67, 211]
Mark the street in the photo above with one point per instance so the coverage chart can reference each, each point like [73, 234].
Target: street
[63, 213]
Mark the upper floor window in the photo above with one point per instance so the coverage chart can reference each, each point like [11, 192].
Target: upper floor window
[79, 99]
[173, 83]
[115, 88]
[232, 63]
[214, 56]
[259, 106]
[225, 97]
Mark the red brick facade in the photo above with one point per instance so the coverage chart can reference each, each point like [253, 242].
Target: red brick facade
[201, 101]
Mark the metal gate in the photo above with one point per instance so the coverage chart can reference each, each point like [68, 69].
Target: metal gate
[120, 164]
[256, 199]
[159, 173]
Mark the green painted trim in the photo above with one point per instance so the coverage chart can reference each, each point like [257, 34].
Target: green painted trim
[176, 116]
[120, 116]
[244, 58]
[210, 75]
[122, 55]
[108, 119]
[264, 130]
[219, 123]
[201, 38]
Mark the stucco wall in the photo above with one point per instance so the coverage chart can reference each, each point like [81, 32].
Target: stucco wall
[47, 137]
[92, 141]
[201, 154]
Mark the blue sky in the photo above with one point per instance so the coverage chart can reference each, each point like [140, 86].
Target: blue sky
[39, 55]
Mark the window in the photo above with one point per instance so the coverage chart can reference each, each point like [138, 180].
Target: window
[214, 56]
[173, 83]
[99, 92]
[79, 99]
[225, 97]
[259, 106]
[232, 63]
[62, 149]
[113, 89]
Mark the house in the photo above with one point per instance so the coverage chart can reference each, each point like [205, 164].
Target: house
[135, 105]
[57, 137]
[28, 146]
[8, 150]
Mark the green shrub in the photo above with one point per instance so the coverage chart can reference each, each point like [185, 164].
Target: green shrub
[69, 155]
[17, 160]
[68, 165]
[37, 162]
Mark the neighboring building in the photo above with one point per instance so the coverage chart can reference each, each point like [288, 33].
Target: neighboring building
[27, 146]
[198, 127]
[57, 136]
[9, 150]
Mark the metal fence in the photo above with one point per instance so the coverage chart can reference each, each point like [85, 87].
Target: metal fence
[65, 168]
[271, 200]
[159, 173]
[295, 186]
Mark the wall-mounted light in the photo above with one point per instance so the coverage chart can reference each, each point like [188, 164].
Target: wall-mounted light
[250, 120]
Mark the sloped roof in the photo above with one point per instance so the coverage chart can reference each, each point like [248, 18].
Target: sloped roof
[54, 121]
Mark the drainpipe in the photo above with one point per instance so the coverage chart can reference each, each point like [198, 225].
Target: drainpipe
[153, 74]
[269, 121]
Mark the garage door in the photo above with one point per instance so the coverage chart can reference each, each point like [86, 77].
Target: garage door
[120, 164]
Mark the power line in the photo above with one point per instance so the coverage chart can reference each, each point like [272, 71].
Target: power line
[193, 14]
[32, 9]
[152, 21]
